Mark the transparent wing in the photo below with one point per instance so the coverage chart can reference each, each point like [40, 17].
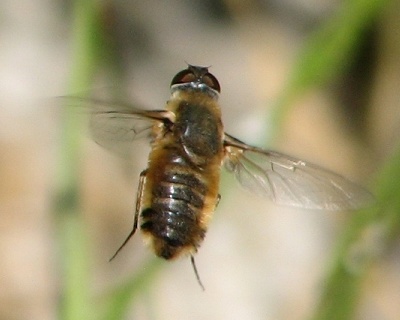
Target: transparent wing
[290, 181]
[115, 126]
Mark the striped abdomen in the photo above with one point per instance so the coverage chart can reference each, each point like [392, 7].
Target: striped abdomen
[182, 198]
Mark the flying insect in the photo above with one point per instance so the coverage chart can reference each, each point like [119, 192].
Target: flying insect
[179, 190]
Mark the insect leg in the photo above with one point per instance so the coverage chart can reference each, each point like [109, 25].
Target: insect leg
[196, 272]
[137, 212]
[218, 200]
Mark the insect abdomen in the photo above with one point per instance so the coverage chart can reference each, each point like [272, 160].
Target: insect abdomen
[174, 216]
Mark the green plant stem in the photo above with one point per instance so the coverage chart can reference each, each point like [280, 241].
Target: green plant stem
[76, 287]
[370, 232]
[326, 53]
[117, 303]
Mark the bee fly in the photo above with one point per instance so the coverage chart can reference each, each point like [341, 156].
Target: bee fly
[178, 191]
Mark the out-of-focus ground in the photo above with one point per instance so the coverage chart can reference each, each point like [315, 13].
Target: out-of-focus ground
[258, 261]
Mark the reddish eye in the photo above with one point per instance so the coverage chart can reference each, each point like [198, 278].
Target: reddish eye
[211, 81]
[199, 75]
[184, 76]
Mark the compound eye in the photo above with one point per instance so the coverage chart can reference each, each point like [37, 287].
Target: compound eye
[184, 76]
[211, 82]
[198, 75]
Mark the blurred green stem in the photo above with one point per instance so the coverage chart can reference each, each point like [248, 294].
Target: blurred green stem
[118, 302]
[370, 232]
[326, 53]
[76, 294]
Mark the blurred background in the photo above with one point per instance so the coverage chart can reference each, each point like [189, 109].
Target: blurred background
[315, 79]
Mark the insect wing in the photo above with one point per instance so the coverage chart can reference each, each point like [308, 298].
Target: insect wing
[116, 126]
[290, 181]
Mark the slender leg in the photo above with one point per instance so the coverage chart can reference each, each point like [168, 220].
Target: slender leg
[139, 198]
[196, 272]
[218, 200]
